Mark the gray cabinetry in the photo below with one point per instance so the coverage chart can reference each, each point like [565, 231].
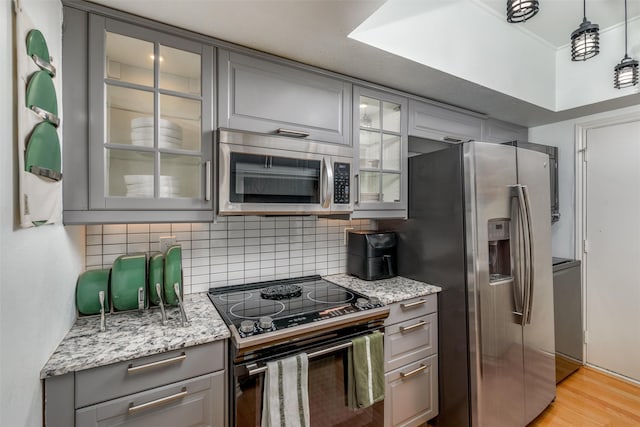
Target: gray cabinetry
[499, 132]
[178, 388]
[190, 403]
[412, 393]
[262, 96]
[139, 143]
[411, 362]
[433, 122]
[380, 148]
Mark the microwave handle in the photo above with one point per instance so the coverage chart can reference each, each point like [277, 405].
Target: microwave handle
[327, 182]
[356, 189]
[207, 180]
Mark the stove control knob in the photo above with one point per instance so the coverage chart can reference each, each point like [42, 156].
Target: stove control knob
[375, 301]
[362, 302]
[247, 326]
[265, 322]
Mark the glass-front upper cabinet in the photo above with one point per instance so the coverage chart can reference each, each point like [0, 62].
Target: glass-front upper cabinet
[380, 136]
[151, 132]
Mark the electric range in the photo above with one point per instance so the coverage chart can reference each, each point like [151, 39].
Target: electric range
[281, 311]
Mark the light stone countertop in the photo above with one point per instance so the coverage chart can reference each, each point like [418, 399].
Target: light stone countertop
[131, 335]
[387, 290]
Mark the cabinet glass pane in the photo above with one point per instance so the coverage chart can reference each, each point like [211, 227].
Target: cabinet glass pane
[391, 152]
[179, 127]
[129, 60]
[179, 70]
[369, 186]
[390, 187]
[391, 117]
[128, 173]
[129, 116]
[369, 113]
[369, 149]
[180, 176]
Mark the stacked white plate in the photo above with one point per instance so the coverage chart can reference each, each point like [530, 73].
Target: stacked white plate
[169, 133]
[142, 186]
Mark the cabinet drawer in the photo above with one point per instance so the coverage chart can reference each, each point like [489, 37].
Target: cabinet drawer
[195, 402]
[263, 96]
[409, 341]
[120, 379]
[414, 307]
[411, 393]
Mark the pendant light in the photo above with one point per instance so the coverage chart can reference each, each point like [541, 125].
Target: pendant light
[585, 41]
[521, 10]
[626, 72]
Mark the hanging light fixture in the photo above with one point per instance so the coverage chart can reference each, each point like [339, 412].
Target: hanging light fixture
[521, 10]
[585, 41]
[626, 72]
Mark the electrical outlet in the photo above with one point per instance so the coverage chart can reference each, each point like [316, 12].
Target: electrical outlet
[345, 234]
[166, 242]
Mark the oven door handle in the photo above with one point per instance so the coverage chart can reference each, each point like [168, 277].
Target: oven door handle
[254, 369]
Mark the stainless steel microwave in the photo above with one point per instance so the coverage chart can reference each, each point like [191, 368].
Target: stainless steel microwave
[273, 175]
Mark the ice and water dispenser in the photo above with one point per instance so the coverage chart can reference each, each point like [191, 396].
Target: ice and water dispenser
[499, 250]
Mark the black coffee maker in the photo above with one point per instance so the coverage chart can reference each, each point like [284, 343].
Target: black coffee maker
[371, 255]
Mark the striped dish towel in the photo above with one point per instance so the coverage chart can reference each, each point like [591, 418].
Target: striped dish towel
[365, 370]
[285, 401]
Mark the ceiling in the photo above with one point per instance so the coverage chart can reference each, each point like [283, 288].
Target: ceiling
[558, 18]
[316, 32]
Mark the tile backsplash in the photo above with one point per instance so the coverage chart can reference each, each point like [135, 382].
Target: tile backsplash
[233, 250]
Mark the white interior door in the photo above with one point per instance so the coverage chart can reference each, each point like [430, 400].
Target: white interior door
[612, 230]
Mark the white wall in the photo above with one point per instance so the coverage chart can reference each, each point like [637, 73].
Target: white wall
[562, 135]
[583, 83]
[38, 266]
[474, 49]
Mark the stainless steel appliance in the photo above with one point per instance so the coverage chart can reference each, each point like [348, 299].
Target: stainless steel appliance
[567, 303]
[552, 152]
[371, 255]
[276, 319]
[479, 228]
[266, 174]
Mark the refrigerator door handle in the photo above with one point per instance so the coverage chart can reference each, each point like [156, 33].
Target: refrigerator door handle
[525, 250]
[518, 235]
[530, 258]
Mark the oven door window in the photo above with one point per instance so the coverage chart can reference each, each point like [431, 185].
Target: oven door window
[271, 179]
[327, 397]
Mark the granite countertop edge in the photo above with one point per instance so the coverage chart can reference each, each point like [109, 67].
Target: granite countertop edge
[131, 335]
[388, 291]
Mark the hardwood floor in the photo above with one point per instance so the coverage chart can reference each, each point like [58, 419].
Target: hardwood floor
[590, 398]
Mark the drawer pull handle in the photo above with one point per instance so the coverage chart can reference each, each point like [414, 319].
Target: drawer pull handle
[414, 304]
[412, 373]
[135, 369]
[158, 402]
[451, 139]
[293, 133]
[412, 327]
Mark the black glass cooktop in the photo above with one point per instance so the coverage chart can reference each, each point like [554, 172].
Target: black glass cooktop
[263, 307]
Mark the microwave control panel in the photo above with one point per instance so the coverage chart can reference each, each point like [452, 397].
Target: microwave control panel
[341, 187]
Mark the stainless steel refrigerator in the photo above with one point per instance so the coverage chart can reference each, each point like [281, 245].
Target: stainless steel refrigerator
[479, 228]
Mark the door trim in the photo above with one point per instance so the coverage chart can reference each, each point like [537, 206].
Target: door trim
[581, 129]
